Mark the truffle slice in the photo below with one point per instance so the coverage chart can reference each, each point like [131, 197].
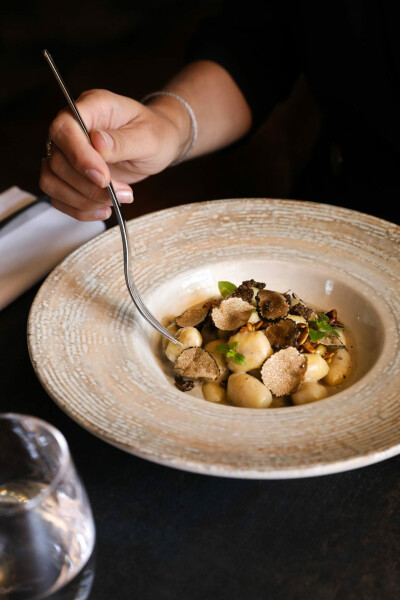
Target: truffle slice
[251, 283]
[231, 314]
[272, 305]
[298, 307]
[245, 293]
[185, 385]
[284, 371]
[282, 334]
[301, 310]
[192, 317]
[196, 363]
[245, 290]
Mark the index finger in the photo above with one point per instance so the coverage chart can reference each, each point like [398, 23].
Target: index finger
[68, 136]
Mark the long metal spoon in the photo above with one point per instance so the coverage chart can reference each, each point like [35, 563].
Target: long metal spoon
[143, 310]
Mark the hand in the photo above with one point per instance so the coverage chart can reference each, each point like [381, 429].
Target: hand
[130, 141]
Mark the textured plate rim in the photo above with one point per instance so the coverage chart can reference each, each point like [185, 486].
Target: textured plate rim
[198, 467]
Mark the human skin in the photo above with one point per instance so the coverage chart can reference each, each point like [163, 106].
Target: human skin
[131, 141]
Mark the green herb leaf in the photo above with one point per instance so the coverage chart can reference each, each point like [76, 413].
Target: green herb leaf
[226, 288]
[315, 335]
[230, 351]
[239, 359]
[320, 327]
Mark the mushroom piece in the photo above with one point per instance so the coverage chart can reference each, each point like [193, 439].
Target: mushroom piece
[284, 371]
[191, 317]
[231, 314]
[282, 334]
[246, 290]
[245, 293]
[185, 385]
[251, 283]
[196, 363]
[302, 310]
[272, 305]
[299, 308]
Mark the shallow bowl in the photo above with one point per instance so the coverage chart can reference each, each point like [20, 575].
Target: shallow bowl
[101, 363]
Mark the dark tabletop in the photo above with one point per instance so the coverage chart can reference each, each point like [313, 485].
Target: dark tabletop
[168, 534]
[164, 534]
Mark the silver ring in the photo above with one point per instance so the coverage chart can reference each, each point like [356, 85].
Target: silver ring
[49, 145]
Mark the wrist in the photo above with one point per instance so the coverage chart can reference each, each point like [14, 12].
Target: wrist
[180, 115]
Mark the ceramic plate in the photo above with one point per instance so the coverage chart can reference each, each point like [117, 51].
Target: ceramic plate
[100, 362]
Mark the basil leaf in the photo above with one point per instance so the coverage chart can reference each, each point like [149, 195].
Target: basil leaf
[329, 329]
[239, 359]
[230, 351]
[315, 335]
[226, 288]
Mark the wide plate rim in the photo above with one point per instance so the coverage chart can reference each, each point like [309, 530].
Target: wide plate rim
[317, 469]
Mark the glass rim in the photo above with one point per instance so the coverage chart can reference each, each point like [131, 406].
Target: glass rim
[65, 462]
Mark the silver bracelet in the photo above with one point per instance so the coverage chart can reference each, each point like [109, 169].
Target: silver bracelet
[192, 119]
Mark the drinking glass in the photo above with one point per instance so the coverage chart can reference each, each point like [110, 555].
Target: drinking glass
[47, 531]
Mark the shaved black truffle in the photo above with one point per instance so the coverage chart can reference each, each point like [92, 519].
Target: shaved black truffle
[196, 363]
[301, 310]
[282, 334]
[272, 305]
[232, 313]
[192, 317]
[256, 284]
[245, 289]
[284, 371]
[185, 385]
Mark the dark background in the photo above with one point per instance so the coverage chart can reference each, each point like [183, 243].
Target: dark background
[133, 48]
[162, 533]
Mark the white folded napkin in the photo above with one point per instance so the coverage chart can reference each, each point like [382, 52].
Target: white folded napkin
[13, 200]
[35, 241]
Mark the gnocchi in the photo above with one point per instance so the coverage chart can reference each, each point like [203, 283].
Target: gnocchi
[189, 337]
[255, 348]
[259, 349]
[339, 369]
[247, 391]
[309, 391]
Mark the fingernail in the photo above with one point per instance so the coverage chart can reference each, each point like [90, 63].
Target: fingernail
[108, 139]
[97, 177]
[102, 213]
[124, 196]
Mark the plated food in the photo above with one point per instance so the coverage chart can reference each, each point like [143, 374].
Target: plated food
[101, 363]
[258, 348]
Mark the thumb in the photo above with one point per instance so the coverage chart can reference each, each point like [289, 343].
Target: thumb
[112, 144]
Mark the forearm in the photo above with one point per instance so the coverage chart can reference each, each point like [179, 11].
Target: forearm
[222, 113]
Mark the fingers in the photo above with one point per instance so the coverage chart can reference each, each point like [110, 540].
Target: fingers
[58, 165]
[83, 158]
[74, 194]
[129, 142]
[99, 109]
[100, 214]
